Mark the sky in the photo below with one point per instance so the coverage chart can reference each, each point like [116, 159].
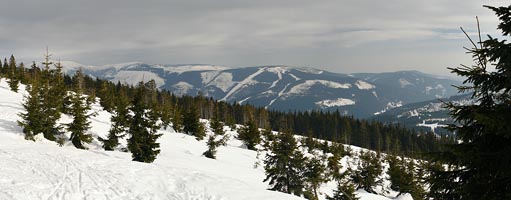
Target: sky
[342, 36]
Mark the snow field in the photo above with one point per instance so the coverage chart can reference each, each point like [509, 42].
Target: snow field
[43, 170]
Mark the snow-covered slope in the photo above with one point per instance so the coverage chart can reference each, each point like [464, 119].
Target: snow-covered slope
[426, 116]
[43, 170]
[282, 87]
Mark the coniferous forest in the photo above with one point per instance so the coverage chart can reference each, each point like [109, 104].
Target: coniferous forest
[184, 112]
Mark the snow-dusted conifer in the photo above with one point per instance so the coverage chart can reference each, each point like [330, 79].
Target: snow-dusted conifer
[80, 106]
[142, 143]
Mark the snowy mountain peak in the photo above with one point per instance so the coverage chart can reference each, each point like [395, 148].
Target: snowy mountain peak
[282, 87]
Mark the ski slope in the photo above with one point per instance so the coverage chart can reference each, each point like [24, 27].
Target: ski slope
[43, 170]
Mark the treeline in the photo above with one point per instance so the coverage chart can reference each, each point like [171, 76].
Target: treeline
[172, 109]
[372, 135]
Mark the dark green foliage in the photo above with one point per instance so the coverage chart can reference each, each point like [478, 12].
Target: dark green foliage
[344, 191]
[213, 141]
[120, 122]
[177, 120]
[106, 96]
[32, 118]
[80, 106]
[12, 75]
[314, 175]
[250, 135]
[142, 143]
[478, 166]
[310, 142]
[192, 124]
[402, 177]
[373, 135]
[165, 110]
[52, 96]
[284, 165]
[368, 170]
[267, 138]
[334, 167]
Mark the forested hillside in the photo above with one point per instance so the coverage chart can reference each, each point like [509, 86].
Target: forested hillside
[172, 109]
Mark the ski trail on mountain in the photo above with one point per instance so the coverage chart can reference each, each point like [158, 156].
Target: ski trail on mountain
[279, 74]
[242, 83]
[278, 96]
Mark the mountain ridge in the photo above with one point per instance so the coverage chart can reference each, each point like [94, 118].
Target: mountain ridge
[282, 87]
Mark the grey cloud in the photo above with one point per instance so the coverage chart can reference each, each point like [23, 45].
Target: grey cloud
[343, 36]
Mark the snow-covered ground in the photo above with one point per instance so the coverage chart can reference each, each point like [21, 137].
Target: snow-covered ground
[43, 170]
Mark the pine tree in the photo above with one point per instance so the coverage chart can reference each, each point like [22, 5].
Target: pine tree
[314, 175]
[368, 170]
[105, 94]
[177, 120]
[13, 80]
[80, 106]
[32, 118]
[57, 91]
[120, 122]
[51, 104]
[284, 165]
[477, 167]
[142, 143]
[402, 177]
[192, 124]
[250, 135]
[267, 138]
[166, 110]
[344, 191]
[21, 73]
[218, 138]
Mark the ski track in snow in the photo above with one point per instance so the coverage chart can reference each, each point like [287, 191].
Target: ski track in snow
[42, 170]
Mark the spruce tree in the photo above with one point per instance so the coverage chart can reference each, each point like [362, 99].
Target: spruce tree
[477, 167]
[344, 191]
[402, 177]
[192, 124]
[51, 104]
[80, 107]
[13, 76]
[166, 110]
[21, 73]
[218, 138]
[120, 122]
[32, 118]
[143, 143]
[366, 175]
[106, 96]
[57, 91]
[177, 120]
[284, 165]
[314, 175]
[250, 135]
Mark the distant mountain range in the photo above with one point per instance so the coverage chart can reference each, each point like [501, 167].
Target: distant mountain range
[284, 88]
[426, 116]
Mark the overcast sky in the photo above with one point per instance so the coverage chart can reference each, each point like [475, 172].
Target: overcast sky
[338, 35]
